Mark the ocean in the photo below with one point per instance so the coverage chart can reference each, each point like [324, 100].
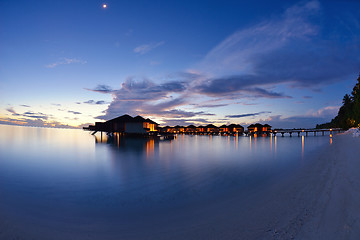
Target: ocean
[69, 184]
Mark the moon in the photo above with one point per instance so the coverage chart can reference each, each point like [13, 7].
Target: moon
[104, 5]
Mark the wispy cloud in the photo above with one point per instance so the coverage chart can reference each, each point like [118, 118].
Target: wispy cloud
[142, 49]
[246, 115]
[101, 89]
[238, 51]
[246, 85]
[12, 111]
[186, 121]
[24, 105]
[65, 61]
[37, 115]
[281, 50]
[329, 111]
[34, 122]
[74, 112]
[211, 105]
[28, 114]
[308, 120]
[95, 102]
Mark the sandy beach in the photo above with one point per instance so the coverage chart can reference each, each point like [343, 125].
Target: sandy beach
[319, 201]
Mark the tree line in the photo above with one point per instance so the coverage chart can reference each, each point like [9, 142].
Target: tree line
[349, 113]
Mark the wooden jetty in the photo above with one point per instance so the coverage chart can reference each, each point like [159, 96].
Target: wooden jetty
[305, 132]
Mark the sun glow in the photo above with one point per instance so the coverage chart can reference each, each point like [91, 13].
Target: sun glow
[104, 5]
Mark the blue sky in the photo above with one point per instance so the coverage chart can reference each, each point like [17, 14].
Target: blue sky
[69, 63]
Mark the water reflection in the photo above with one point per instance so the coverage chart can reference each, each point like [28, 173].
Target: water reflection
[302, 146]
[129, 144]
[52, 174]
[331, 140]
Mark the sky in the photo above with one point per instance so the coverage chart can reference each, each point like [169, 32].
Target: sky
[72, 63]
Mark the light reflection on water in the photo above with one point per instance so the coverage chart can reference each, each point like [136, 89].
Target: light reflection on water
[99, 177]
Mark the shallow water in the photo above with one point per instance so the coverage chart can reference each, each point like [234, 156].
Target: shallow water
[70, 183]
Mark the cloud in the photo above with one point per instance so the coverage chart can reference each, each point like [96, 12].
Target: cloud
[95, 102]
[144, 97]
[73, 112]
[142, 49]
[327, 112]
[28, 114]
[37, 115]
[56, 104]
[101, 89]
[278, 121]
[291, 50]
[246, 114]
[235, 51]
[65, 61]
[23, 105]
[285, 51]
[12, 111]
[247, 85]
[186, 122]
[308, 120]
[212, 105]
[34, 123]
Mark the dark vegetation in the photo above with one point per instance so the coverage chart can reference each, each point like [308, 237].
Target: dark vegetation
[349, 113]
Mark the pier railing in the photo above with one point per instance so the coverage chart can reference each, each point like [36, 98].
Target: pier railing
[312, 131]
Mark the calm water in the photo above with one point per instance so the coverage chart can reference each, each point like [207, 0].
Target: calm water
[61, 181]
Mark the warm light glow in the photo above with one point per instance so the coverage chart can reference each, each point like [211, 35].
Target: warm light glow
[302, 146]
[104, 5]
[150, 146]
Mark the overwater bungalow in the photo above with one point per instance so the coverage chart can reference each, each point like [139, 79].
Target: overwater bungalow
[190, 129]
[236, 128]
[211, 129]
[259, 128]
[200, 129]
[166, 129]
[179, 129]
[125, 124]
[223, 129]
[231, 129]
[266, 128]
